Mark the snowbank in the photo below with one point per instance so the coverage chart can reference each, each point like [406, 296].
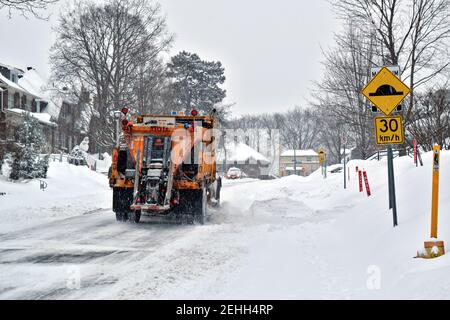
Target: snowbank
[71, 191]
[317, 240]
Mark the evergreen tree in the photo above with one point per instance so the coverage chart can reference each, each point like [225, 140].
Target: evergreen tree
[27, 163]
[195, 82]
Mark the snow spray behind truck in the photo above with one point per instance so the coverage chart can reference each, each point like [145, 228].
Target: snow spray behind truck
[165, 166]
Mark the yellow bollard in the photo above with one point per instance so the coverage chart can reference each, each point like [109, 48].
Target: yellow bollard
[435, 192]
[434, 248]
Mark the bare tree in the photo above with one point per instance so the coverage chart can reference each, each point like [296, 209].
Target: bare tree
[25, 7]
[338, 94]
[299, 129]
[112, 50]
[431, 121]
[413, 34]
[332, 130]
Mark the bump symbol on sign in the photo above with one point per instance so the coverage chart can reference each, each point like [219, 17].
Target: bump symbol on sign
[386, 90]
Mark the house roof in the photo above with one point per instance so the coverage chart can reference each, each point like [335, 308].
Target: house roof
[34, 83]
[299, 168]
[43, 118]
[240, 152]
[299, 153]
[11, 84]
[10, 67]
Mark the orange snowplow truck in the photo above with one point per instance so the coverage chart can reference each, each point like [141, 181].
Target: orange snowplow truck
[165, 166]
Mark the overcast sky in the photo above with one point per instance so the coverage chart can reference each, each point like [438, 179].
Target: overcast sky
[271, 50]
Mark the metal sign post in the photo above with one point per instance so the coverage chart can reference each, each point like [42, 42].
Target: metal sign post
[295, 162]
[391, 182]
[386, 91]
[415, 151]
[344, 142]
[345, 170]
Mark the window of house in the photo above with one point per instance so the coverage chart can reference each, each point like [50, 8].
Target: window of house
[24, 102]
[63, 140]
[308, 159]
[17, 100]
[10, 100]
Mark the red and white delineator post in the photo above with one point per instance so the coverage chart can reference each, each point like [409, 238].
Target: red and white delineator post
[366, 182]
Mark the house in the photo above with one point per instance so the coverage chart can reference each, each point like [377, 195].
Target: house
[58, 111]
[65, 108]
[15, 100]
[242, 156]
[306, 162]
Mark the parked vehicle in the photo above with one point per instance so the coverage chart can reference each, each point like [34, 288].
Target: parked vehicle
[76, 157]
[234, 173]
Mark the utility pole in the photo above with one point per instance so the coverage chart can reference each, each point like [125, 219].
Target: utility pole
[344, 142]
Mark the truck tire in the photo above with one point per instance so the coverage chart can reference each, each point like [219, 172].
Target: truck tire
[121, 216]
[135, 216]
[122, 199]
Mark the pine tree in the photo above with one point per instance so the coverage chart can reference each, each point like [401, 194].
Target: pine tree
[27, 163]
[195, 82]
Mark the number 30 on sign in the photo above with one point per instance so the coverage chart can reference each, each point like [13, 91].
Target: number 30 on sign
[389, 130]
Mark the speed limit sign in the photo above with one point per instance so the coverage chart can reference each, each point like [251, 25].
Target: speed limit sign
[389, 130]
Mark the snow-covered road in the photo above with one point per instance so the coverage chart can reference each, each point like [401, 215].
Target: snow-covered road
[290, 238]
[237, 254]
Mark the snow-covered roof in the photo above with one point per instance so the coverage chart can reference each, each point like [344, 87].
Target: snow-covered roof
[44, 118]
[297, 168]
[347, 150]
[32, 82]
[299, 153]
[240, 152]
[10, 67]
[11, 84]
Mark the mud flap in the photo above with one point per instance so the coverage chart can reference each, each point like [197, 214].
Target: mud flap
[192, 206]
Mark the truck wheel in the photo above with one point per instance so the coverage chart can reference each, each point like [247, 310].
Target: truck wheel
[122, 199]
[119, 216]
[135, 216]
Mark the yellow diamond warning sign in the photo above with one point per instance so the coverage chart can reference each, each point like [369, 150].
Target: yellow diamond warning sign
[321, 156]
[385, 91]
[389, 130]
